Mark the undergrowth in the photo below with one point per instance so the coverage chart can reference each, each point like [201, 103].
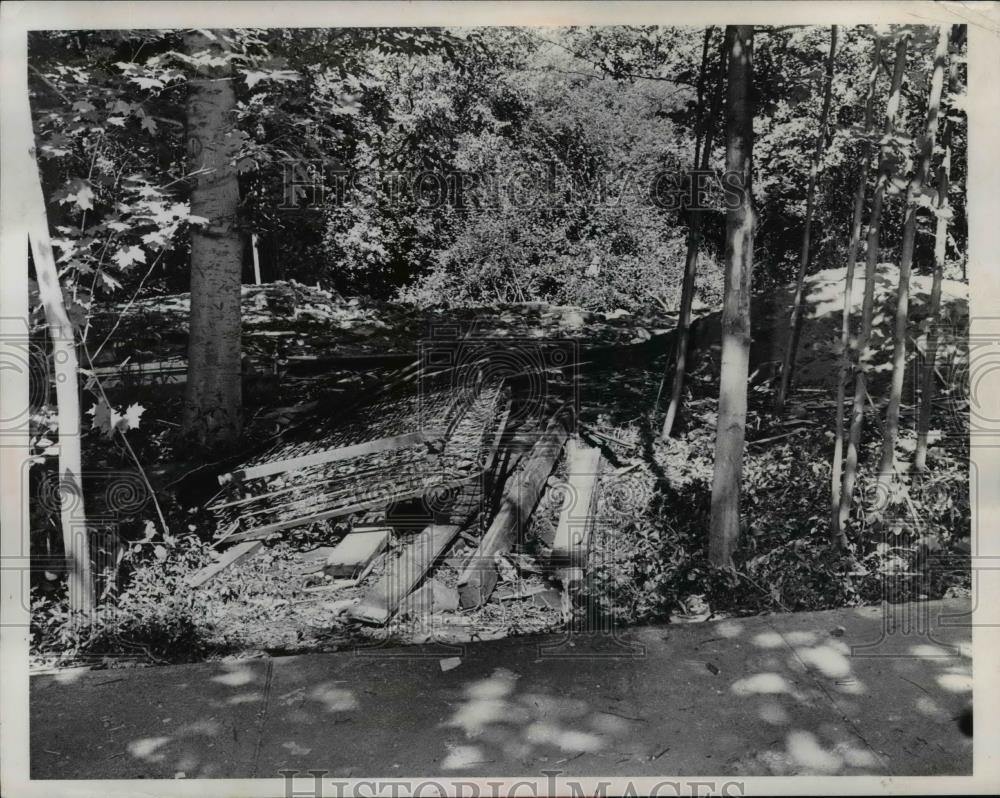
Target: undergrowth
[649, 560]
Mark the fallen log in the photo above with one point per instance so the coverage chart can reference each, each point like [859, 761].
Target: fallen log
[519, 499]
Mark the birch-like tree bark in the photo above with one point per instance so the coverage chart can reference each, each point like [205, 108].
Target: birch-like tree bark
[837, 470]
[795, 322]
[872, 245]
[693, 245]
[72, 515]
[942, 210]
[731, 427]
[886, 468]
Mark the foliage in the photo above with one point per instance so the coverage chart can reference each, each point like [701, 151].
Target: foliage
[649, 557]
[155, 617]
[559, 132]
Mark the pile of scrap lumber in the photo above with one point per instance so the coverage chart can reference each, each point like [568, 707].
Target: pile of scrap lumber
[456, 448]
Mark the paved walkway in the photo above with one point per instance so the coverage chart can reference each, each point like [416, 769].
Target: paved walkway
[837, 692]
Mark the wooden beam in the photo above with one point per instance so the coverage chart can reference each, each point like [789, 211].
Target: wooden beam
[519, 499]
[232, 556]
[331, 455]
[402, 575]
[571, 544]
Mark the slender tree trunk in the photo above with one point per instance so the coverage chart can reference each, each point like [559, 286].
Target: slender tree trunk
[731, 426]
[887, 463]
[213, 398]
[693, 244]
[868, 304]
[836, 476]
[73, 518]
[943, 213]
[795, 323]
[700, 107]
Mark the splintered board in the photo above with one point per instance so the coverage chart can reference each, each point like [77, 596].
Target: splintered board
[356, 550]
[403, 574]
[572, 539]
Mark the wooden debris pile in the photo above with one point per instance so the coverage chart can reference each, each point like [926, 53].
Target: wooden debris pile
[471, 478]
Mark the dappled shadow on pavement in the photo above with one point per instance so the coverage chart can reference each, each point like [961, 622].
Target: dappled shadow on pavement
[830, 693]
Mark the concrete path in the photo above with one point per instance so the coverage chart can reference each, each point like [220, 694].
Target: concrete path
[848, 692]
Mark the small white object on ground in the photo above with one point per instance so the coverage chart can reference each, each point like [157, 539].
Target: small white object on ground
[450, 663]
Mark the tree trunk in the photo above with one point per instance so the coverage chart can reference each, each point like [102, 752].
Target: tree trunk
[868, 304]
[731, 426]
[942, 211]
[795, 323]
[73, 518]
[836, 477]
[213, 398]
[887, 463]
[694, 242]
[700, 106]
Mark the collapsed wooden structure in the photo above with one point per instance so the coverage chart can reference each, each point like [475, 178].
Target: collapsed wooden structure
[441, 441]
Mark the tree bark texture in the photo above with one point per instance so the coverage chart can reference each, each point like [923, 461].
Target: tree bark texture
[731, 428]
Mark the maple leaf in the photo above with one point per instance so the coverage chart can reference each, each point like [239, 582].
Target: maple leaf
[83, 198]
[109, 281]
[147, 83]
[130, 418]
[105, 417]
[128, 256]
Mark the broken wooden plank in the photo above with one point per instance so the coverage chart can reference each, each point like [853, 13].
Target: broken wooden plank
[571, 544]
[261, 532]
[402, 575]
[332, 455]
[519, 499]
[355, 551]
[234, 555]
[431, 597]
[512, 593]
